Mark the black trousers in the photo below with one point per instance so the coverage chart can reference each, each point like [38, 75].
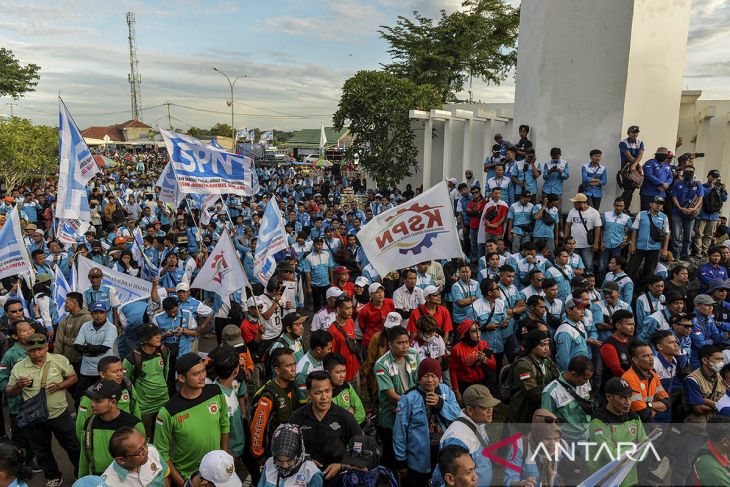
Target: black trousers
[221, 323]
[85, 381]
[628, 196]
[319, 297]
[40, 439]
[386, 438]
[650, 258]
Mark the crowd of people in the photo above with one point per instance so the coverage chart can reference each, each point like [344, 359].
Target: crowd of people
[567, 327]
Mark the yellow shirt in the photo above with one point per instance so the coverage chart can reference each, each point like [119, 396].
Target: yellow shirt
[59, 368]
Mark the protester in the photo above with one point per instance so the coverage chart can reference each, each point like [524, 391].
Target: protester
[288, 460]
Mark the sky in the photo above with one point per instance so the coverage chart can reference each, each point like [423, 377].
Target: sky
[295, 55]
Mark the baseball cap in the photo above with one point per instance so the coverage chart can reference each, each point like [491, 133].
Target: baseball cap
[254, 301]
[217, 467]
[183, 286]
[453, 181]
[553, 198]
[658, 199]
[333, 292]
[231, 335]
[362, 452]
[716, 283]
[618, 386]
[611, 286]
[579, 197]
[673, 295]
[429, 290]
[703, 299]
[187, 362]
[318, 240]
[105, 389]
[36, 340]
[374, 287]
[361, 281]
[39, 231]
[526, 194]
[392, 320]
[31, 226]
[633, 128]
[148, 330]
[714, 173]
[90, 481]
[572, 302]
[292, 318]
[98, 306]
[662, 150]
[479, 395]
[341, 269]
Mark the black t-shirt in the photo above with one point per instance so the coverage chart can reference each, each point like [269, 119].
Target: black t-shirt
[326, 440]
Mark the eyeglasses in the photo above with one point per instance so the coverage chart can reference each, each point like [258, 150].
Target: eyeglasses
[364, 454]
[141, 451]
[548, 419]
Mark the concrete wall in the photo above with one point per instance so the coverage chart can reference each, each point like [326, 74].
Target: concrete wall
[587, 69]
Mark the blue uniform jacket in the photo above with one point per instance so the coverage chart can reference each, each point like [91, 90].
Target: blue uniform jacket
[655, 174]
[411, 441]
[704, 332]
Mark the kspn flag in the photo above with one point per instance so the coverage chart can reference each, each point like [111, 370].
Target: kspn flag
[14, 258]
[421, 229]
[204, 170]
[169, 191]
[70, 231]
[272, 239]
[128, 288]
[222, 272]
[76, 168]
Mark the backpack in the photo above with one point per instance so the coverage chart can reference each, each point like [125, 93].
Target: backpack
[505, 383]
[136, 361]
[712, 202]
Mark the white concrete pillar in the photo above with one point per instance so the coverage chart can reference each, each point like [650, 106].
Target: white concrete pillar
[587, 69]
[448, 140]
[427, 141]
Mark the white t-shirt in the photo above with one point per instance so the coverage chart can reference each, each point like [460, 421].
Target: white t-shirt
[592, 219]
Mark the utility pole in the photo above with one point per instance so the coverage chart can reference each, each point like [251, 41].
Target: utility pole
[231, 84]
[11, 105]
[135, 79]
[169, 117]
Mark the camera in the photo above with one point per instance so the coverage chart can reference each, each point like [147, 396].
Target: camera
[699, 154]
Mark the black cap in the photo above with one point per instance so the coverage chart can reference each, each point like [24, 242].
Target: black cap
[148, 330]
[362, 452]
[318, 240]
[187, 362]
[291, 318]
[105, 389]
[533, 338]
[633, 128]
[618, 386]
[658, 199]
[526, 194]
[672, 295]
[553, 198]
[714, 173]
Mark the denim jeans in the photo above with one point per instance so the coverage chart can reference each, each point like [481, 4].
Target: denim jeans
[606, 255]
[681, 236]
[587, 255]
[477, 249]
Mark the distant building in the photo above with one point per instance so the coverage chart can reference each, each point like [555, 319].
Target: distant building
[131, 132]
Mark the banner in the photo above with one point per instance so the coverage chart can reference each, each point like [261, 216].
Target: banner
[222, 272]
[203, 170]
[70, 231]
[128, 288]
[149, 270]
[169, 191]
[241, 134]
[272, 239]
[61, 288]
[205, 205]
[421, 229]
[267, 135]
[76, 168]
[14, 258]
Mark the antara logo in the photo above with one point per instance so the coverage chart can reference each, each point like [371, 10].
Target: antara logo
[412, 228]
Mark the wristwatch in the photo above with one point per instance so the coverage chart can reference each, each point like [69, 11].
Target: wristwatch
[650, 405]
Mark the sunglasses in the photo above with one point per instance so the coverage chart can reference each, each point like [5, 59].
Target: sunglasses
[37, 341]
[95, 277]
[549, 419]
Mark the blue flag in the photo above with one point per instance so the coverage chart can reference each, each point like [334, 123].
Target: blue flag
[60, 289]
[272, 239]
[215, 144]
[200, 169]
[14, 258]
[76, 168]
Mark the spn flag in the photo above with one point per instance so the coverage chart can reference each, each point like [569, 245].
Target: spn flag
[222, 272]
[129, 288]
[61, 288]
[71, 231]
[76, 168]
[215, 144]
[421, 229]
[204, 170]
[14, 258]
[272, 239]
[169, 191]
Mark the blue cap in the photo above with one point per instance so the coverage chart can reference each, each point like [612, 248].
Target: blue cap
[98, 306]
[90, 481]
[716, 283]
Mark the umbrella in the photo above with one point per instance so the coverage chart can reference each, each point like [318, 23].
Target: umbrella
[322, 163]
[103, 161]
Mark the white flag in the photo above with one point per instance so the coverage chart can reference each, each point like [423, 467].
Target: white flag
[169, 191]
[129, 288]
[70, 231]
[421, 229]
[14, 258]
[209, 201]
[272, 239]
[222, 272]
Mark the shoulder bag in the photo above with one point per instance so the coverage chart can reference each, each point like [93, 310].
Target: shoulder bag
[34, 411]
[590, 234]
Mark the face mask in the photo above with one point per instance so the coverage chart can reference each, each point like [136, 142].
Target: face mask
[688, 176]
[660, 157]
[716, 366]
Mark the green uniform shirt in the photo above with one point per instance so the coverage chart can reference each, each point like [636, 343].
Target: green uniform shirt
[711, 467]
[295, 345]
[95, 456]
[150, 385]
[237, 437]
[388, 377]
[556, 398]
[126, 403]
[346, 397]
[59, 368]
[15, 354]
[304, 366]
[194, 426]
[611, 429]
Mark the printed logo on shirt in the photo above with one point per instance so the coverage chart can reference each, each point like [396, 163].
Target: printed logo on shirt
[632, 429]
[335, 426]
[380, 372]
[213, 408]
[182, 418]
[159, 421]
[162, 363]
[525, 376]
[346, 397]
[125, 396]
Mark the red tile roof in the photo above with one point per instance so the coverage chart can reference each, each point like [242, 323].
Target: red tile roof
[137, 124]
[113, 131]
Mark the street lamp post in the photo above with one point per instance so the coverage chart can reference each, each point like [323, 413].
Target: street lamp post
[231, 84]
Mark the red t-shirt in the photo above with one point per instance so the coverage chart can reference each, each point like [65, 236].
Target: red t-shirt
[462, 365]
[348, 288]
[371, 319]
[478, 207]
[249, 331]
[441, 315]
[339, 345]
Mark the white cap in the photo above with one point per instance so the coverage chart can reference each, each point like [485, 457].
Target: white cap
[254, 302]
[39, 231]
[453, 181]
[429, 290]
[374, 287]
[393, 319]
[183, 286]
[333, 292]
[217, 467]
[362, 281]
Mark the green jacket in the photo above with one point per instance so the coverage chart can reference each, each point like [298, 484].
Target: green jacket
[15, 354]
[610, 429]
[95, 456]
[346, 397]
[127, 403]
[528, 380]
[711, 467]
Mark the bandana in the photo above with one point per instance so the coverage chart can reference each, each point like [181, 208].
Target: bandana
[288, 441]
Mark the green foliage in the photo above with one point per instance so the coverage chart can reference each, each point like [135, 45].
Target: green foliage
[16, 80]
[199, 133]
[282, 136]
[478, 42]
[27, 151]
[221, 129]
[374, 108]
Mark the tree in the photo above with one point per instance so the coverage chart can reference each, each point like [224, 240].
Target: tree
[478, 41]
[27, 151]
[221, 129]
[199, 133]
[374, 108]
[15, 79]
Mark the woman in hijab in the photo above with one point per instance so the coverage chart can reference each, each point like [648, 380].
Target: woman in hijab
[538, 456]
[289, 465]
[470, 359]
